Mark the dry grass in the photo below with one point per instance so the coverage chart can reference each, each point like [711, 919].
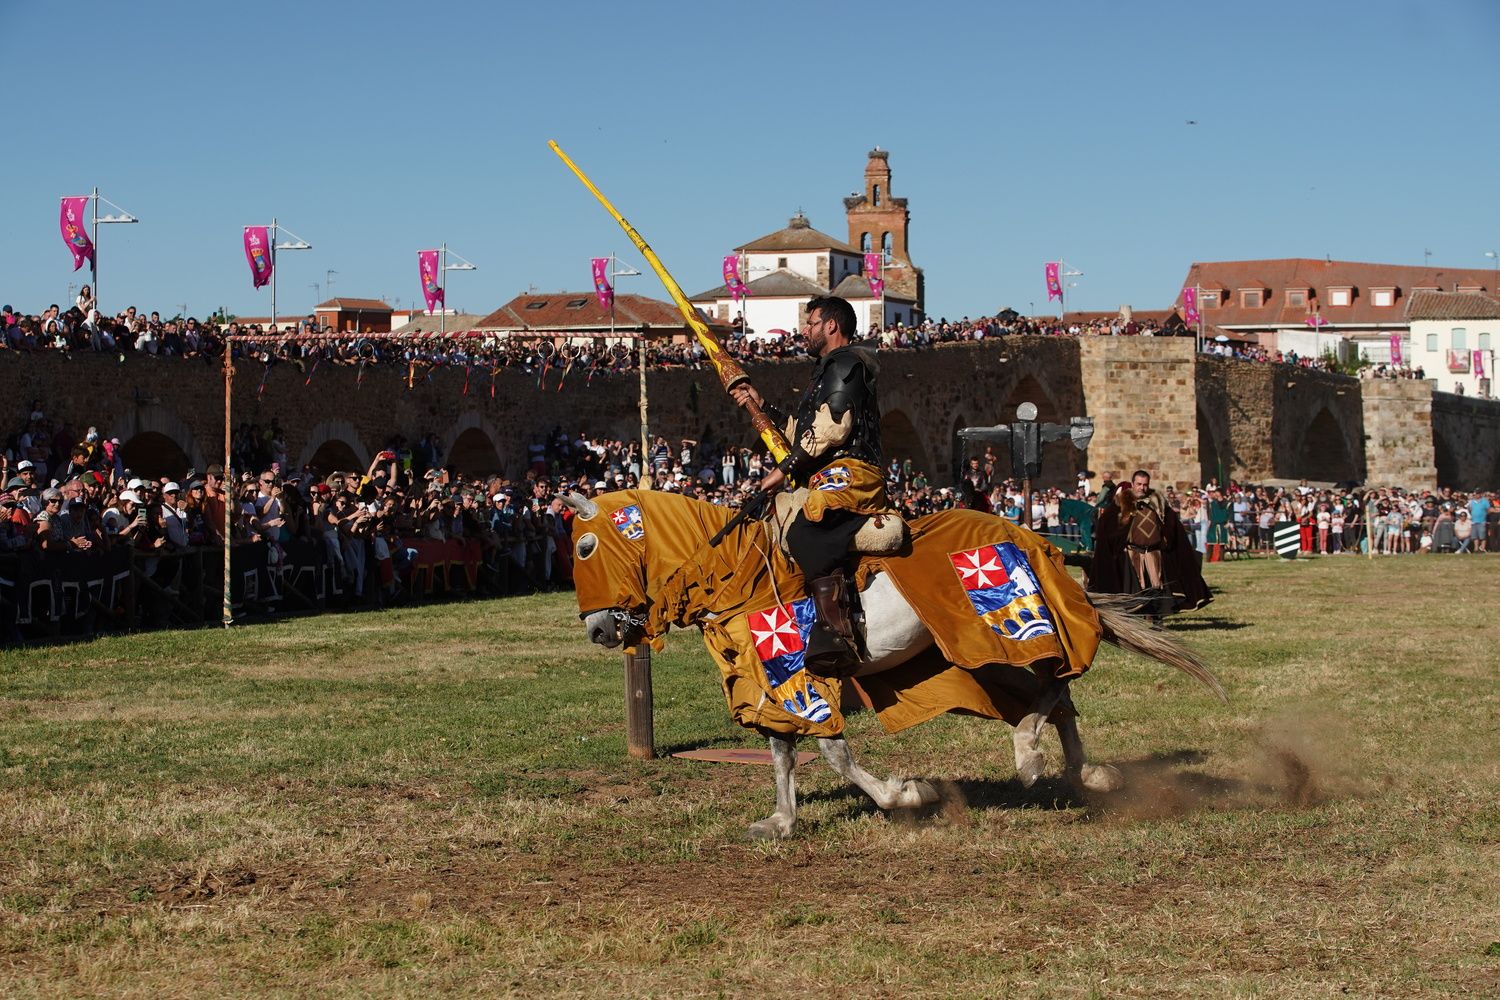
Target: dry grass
[438, 801]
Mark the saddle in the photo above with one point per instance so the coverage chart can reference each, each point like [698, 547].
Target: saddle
[880, 535]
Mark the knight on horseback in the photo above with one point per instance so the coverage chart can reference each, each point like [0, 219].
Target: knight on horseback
[835, 437]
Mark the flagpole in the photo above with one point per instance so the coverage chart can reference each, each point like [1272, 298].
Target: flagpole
[443, 288]
[94, 257]
[273, 273]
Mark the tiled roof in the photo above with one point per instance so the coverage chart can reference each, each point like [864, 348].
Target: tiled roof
[353, 305]
[798, 236]
[422, 323]
[1452, 305]
[1318, 276]
[855, 286]
[564, 312]
[779, 284]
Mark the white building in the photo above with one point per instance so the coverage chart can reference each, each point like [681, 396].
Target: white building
[786, 268]
[1453, 337]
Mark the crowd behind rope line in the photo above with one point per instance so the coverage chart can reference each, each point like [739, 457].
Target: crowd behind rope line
[372, 526]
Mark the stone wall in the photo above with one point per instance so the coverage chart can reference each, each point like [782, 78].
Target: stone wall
[1154, 404]
[1398, 433]
[1142, 394]
[1466, 441]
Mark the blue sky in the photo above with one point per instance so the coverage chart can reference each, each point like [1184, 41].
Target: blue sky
[1019, 132]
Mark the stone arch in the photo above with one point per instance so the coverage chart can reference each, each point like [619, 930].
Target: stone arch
[335, 441]
[335, 455]
[1324, 455]
[1060, 460]
[962, 450]
[474, 453]
[462, 448]
[145, 427]
[151, 455]
[899, 440]
[1215, 448]
[1445, 458]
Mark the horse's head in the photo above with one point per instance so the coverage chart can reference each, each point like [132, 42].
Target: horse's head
[609, 566]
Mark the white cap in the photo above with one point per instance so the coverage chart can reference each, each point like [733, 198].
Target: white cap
[495, 499]
[171, 488]
[136, 484]
[131, 495]
[28, 464]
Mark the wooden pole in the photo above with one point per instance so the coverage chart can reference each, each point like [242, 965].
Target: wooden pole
[640, 730]
[227, 486]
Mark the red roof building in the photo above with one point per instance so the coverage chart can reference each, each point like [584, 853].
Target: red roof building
[1310, 306]
[361, 315]
[578, 314]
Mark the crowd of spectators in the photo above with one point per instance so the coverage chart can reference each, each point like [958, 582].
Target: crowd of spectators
[81, 327]
[1347, 520]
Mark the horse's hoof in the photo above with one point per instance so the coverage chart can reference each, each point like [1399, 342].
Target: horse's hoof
[1030, 767]
[916, 795]
[1101, 778]
[771, 828]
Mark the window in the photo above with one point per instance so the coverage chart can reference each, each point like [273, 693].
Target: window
[1471, 289]
[876, 194]
[885, 244]
[780, 262]
[1484, 341]
[1458, 339]
[1251, 298]
[572, 304]
[538, 304]
[864, 247]
[1383, 297]
[1208, 299]
[1296, 296]
[1432, 343]
[1340, 296]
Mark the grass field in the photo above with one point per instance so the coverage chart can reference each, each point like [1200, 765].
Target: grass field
[438, 800]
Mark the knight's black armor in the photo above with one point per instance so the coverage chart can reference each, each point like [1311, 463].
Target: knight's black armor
[843, 380]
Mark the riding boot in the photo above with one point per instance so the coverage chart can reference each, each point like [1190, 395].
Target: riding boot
[831, 650]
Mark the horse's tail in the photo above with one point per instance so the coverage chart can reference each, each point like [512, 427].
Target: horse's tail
[1130, 631]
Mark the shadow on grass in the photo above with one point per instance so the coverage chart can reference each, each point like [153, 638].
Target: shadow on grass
[1207, 625]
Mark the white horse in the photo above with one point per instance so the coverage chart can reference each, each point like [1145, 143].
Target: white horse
[892, 634]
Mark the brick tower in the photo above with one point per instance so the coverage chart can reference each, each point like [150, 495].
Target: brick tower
[879, 221]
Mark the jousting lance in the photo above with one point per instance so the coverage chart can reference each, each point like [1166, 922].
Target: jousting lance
[729, 372]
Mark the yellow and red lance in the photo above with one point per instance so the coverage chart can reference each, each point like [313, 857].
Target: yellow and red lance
[729, 372]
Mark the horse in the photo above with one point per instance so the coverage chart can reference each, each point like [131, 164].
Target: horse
[946, 622]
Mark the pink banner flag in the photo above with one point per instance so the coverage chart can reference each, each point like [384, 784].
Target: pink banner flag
[258, 253]
[601, 283]
[1054, 285]
[732, 280]
[1396, 358]
[873, 271]
[1316, 321]
[1190, 305]
[432, 288]
[1479, 364]
[74, 234]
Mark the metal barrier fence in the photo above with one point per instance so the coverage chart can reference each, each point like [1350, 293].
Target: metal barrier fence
[79, 595]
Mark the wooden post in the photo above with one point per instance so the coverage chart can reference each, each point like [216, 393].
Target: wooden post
[640, 727]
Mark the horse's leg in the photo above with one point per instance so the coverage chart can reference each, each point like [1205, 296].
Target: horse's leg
[1030, 762]
[778, 825]
[891, 793]
[1092, 777]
